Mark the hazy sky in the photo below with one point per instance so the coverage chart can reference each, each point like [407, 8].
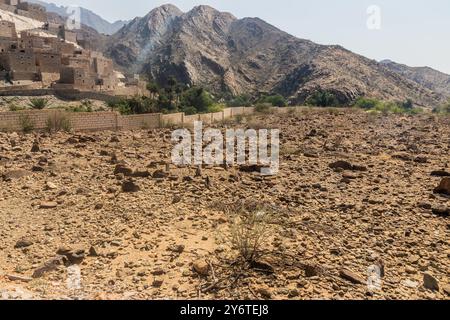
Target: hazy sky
[414, 32]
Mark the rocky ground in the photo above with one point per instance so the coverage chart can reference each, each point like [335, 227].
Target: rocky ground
[355, 192]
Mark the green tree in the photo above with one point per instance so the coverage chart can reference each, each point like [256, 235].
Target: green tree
[198, 98]
[322, 98]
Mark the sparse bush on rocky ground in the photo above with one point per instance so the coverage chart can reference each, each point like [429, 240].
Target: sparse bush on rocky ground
[38, 103]
[263, 108]
[250, 234]
[58, 122]
[444, 109]
[26, 123]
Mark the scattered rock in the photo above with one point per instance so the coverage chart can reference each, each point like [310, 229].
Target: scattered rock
[130, 187]
[160, 174]
[16, 174]
[430, 282]
[48, 205]
[157, 283]
[49, 266]
[446, 288]
[177, 248]
[444, 186]
[12, 277]
[201, 267]
[351, 276]
[23, 243]
[442, 211]
[123, 169]
[264, 291]
[440, 173]
[345, 165]
[35, 148]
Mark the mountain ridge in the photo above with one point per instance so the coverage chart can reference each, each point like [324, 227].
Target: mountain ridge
[215, 49]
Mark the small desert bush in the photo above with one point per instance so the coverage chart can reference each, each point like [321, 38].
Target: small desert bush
[275, 100]
[444, 109]
[249, 234]
[26, 123]
[387, 107]
[58, 122]
[38, 103]
[15, 107]
[263, 108]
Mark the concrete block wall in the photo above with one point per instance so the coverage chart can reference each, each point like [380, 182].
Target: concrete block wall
[172, 119]
[93, 121]
[141, 121]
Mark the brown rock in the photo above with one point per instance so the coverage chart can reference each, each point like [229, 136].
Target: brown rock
[123, 169]
[444, 186]
[201, 267]
[264, 291]
[130, 187]
[430, 282]
[49, 266]
[48, 205]
[23, 243]
[351, 276]
[16, 174]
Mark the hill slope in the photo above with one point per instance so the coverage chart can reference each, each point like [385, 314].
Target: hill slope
[215, 49]
[425, 76]
[88, 18]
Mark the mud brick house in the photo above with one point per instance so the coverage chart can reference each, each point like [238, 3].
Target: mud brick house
[51, 57]
[20, 63]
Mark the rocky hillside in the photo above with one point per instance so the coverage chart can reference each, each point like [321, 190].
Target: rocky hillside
[217, 50]
[425, 76]
[88, 18]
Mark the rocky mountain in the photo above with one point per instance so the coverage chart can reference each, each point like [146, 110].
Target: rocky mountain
[88, 18]
[425, 76]
[216, 50]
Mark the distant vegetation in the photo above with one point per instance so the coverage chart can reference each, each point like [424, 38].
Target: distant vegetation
[38, 103]
[323, 98]
[172, 98]
[444, 109]
[176, 97]
[386, 107]
[275, 100]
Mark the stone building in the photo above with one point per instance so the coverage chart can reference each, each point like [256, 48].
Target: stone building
[8, 30]
[52, 56]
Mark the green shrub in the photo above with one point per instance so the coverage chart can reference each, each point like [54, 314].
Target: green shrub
[198, 98]
[444, 109]
[217, 107]
[190, 111]
[263, 107]
[367, 103]
[275, 100]
[26, 123]
[387, 107]
[15, 107]
[38, 103]
[322, 98]
[240, 101]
